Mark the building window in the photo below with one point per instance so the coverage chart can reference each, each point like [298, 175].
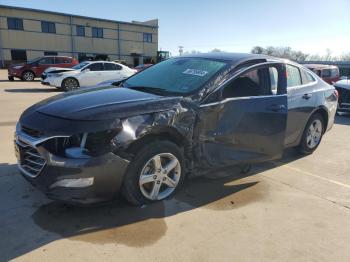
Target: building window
[80, 30]
[147, 37]
[18, 55]
[15, 23]
[97, 32]
[48, 27]
[50, 53]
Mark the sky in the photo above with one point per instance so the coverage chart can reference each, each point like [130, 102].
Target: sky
[310, 26]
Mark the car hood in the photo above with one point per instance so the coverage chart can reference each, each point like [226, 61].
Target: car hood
[343, 84]
[59, 70]
[102, 104]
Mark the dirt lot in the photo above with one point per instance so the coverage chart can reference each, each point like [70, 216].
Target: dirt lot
[295, 209]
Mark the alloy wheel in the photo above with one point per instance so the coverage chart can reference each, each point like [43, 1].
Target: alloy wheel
[28, 76]
[160, 176]
[314, 134]
[70, 84]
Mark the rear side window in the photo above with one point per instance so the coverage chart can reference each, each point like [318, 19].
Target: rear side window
[112, 67]
[293, 76]
[46, 61]
[62, 60]
[307, 78]
[96, 67]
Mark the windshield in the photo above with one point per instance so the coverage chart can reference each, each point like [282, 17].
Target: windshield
[176, 75]
[80, 66]
[34, 60]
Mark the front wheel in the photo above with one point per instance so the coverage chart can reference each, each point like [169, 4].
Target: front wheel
[11, 78]
[312, 135]
[70, 84]
[155, 173]
[28, 76]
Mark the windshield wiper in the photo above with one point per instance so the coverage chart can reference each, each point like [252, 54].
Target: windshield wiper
[153, 90]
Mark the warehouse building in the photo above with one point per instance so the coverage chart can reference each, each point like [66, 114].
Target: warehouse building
[26, 34]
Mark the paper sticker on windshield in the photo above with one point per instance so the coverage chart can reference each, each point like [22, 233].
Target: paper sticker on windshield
[195, 72]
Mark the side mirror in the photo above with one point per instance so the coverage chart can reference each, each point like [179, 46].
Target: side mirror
[85, 70]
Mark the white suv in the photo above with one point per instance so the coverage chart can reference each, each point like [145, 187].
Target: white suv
[85, 74]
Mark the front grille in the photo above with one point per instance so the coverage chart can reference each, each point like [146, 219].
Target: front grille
[30, 159]
[43, 76]
[31, 132]
[344, 95]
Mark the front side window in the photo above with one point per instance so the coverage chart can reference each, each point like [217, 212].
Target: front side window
[46, 61]
[97, 32]
[147, 37]
[293, 76]
[48, 27]
[256, 82]
[14, 23]
[80, 30]
[96, 67]
[176, 75]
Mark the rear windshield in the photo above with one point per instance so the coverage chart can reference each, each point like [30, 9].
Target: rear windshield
[177, 75]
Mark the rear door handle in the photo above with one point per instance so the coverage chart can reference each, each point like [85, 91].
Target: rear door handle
[307, 96]
[276, 108]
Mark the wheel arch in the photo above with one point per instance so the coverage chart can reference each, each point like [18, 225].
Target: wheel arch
[28, 70]
[163, 133]
[325, 115]
[76, 79]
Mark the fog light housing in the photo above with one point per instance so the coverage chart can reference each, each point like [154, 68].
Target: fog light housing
[74, 183]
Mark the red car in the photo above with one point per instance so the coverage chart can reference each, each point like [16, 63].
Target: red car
[142, 67]
[329, 73]
[32, 69]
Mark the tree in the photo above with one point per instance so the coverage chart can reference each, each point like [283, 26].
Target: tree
[282, 52]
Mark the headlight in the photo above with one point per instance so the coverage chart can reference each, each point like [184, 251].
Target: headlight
[17, 67]
[56, 75]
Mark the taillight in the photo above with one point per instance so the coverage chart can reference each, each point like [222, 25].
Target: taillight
[336, 93]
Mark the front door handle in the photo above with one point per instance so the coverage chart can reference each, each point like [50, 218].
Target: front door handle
[276, 108]
[307, 96]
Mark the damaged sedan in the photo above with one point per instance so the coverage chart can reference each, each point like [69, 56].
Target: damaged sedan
[183, 117]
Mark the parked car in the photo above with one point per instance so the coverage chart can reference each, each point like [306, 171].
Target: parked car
[85, 74]
[32, 69]
[328, 73]
[141, 67]
[343, 88]
[185, 116]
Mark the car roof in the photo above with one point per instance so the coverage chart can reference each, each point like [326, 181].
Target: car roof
[233, 58]
[319, 66]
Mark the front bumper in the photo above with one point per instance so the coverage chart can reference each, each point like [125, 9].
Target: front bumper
[83, 181]
[51, 81]
[11, 72]
[344, 100]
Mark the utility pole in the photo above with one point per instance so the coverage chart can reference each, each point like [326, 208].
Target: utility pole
[181, 50]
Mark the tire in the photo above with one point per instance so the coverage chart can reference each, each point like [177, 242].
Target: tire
[11, 78]
[310, 141]
[27, 76]
[70, 84]
[142, 180]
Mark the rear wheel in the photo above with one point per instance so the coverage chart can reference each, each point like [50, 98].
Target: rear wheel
[28, 76]
[155, 173]
[70, 84]
[312, 135]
